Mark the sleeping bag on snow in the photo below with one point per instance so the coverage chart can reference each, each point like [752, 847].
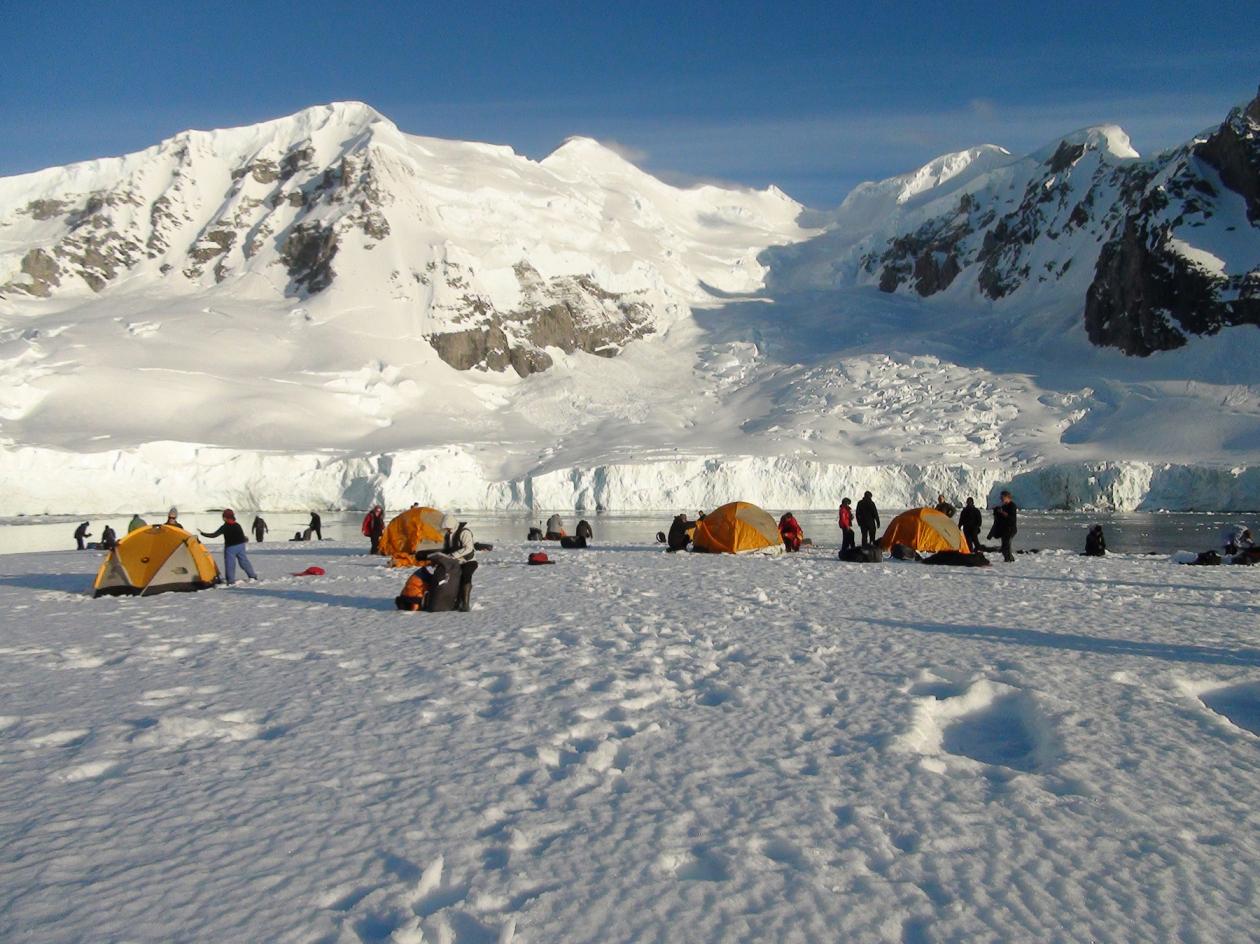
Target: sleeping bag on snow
[957, 559]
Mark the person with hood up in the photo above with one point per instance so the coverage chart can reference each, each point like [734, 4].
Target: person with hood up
[970, 520]
[845, 520]
[867, 519]
[234, 542]
[259, 527]
[1095, 543]
[679, 533]
[458, 544]
[585, 531]
[109, 539]
[81, 533]
[314, 527]
[172, 518]
[555, 528]
[136, 523]
[374, 527]
[791, 531]
[1005, 525]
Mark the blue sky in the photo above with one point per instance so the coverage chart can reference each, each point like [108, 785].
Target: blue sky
[811, 96]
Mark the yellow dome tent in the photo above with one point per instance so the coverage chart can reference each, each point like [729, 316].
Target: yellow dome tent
[417, 529]
[738, 528]
[924, 529]
[156, 559]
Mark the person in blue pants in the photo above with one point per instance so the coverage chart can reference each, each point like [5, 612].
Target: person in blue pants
[234, 542]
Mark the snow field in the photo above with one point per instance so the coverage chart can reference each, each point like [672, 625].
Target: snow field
[630, 746]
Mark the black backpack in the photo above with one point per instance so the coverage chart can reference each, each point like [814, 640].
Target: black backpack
[862, 555]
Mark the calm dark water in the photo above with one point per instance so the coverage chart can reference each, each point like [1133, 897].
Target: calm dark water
[1126, 533]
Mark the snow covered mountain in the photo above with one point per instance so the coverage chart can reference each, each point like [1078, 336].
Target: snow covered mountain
[1155, 251]
[323, 310]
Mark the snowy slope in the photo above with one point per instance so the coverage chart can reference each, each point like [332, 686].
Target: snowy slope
[1058, 749]
[323, 310]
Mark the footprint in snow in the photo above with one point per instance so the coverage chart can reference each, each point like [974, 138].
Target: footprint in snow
[990, 723]
[1237, 704]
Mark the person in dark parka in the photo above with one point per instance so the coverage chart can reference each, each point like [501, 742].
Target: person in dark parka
[970, 520]
[234, 542]
[1005, 525]
[80, 534]
[584, 530]
[867, 519]
[109, 539]
[1095, 543]
[259, 527]
[314, 526]
[678, 537]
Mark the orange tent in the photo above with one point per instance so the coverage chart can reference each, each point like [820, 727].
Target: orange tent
[924, 529]
[156, 559]
[738, 528]
[417, 529]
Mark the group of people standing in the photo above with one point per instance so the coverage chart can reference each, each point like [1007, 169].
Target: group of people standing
[970, 521]
[866, 515]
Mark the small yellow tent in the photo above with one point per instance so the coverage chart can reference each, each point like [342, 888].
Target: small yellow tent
[417, 529]
[156, 559]
[924, 529]
[738, 528]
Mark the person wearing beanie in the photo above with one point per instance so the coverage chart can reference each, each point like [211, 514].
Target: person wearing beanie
[845, 520]
[234, 542]
[458, 543]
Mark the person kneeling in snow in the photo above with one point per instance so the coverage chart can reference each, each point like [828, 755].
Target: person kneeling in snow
[679, 533]
[433, 588]
[791, 531]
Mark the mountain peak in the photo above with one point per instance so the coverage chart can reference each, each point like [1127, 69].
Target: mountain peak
[1110, 141]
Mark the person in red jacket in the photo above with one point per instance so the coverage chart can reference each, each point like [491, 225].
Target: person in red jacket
[374, 527]
[846, 525]
[791, 531]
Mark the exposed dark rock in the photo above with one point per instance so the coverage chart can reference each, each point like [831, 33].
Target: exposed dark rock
[46, 209]
[1065, 156]
[307, 253]
[488, 347]
[1146, 297]
[43, 272]
[211, 244]
[572, 313]
[1234, 151]
[934, 272]
[296, 160]
[261, 169]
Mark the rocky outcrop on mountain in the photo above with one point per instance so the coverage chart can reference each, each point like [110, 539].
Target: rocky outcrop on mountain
[1151, 288]
[1173, 242]
[571, 313]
